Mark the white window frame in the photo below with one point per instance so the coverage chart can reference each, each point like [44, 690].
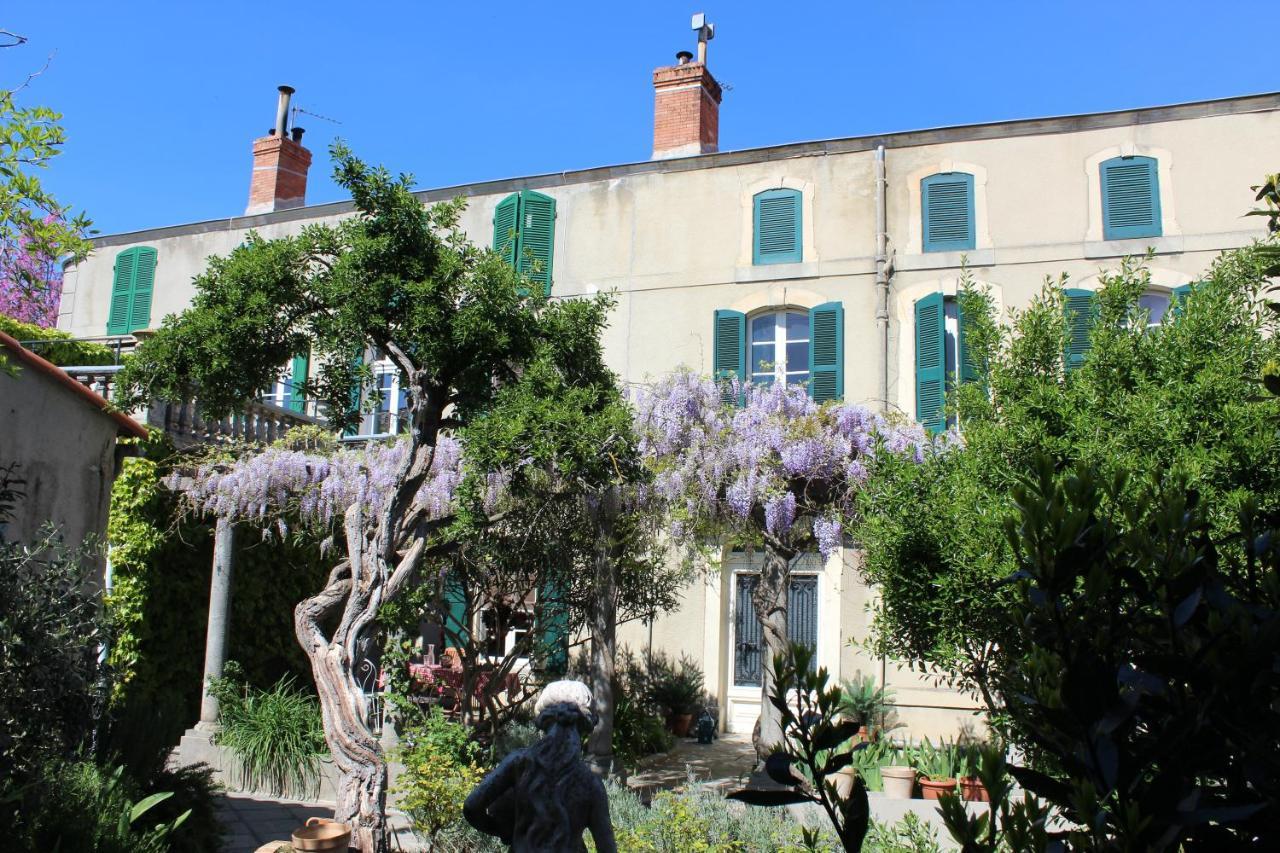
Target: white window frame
[386, 420]
[781, 369]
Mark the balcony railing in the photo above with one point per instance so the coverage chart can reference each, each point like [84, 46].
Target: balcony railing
[258, 422]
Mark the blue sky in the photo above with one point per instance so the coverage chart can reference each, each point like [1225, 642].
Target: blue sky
[161, 100]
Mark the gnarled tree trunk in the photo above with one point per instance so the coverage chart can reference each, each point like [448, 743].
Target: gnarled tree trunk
[381, 559]
[770, 600]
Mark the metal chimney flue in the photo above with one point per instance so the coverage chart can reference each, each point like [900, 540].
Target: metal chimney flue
[282, 110]
[296, 134]
[684, 57]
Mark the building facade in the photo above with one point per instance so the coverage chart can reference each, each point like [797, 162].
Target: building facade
[831, 263]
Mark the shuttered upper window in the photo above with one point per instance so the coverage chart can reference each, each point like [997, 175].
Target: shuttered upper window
[782, 345]
[941, 351]
[947, 207]
[1081, 313]
[1130, 198]
[524, 230]
[776, 220]
[131, 290]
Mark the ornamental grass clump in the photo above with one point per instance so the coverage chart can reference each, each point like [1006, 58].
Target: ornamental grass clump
[276, 735]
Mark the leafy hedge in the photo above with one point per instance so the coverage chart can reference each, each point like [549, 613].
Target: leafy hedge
[66, 353]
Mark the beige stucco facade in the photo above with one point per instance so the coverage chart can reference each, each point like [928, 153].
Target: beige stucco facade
[673, 240]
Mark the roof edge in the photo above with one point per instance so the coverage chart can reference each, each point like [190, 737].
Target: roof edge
[1235, 105]
[123, 422]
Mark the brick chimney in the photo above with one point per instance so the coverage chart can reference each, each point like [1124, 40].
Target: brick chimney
[686, 109]
[280, 164]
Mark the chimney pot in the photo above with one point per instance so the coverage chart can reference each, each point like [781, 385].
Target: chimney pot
[280, 164]
[684, 57]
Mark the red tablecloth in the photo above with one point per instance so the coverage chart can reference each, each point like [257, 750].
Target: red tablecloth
[442, 679]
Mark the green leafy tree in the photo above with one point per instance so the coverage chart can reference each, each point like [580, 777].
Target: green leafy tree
[1143, 679]
[458, 324]
[1182, 395]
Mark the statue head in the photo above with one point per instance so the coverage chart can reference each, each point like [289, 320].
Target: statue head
[567, 703]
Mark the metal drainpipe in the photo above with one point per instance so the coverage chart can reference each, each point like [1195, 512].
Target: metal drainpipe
[882, 318]
[882, 278]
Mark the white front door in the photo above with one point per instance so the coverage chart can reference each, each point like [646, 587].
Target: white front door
[746, 642]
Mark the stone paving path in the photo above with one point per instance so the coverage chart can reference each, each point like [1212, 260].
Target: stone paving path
[252, 820]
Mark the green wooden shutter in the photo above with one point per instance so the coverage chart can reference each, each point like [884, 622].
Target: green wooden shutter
[297, 376]
[729, 348]
[122, 293]
[457, 630]
[1178, 298]
[505, 233]
[144, 280]
[552, 635]
[1130, 198]
[537, 236]
[826, 352]
[964, 357]
[947, 208]
[931, 362]
[777, 225]
[1081, 313]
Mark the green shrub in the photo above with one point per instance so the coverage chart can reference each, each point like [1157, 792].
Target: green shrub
[52, 686]
[63, 351]
[276, 735]
[440, 769]
[909, 835]
[698, 818]
[79, 806]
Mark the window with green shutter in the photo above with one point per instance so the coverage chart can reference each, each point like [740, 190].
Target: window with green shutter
[131, 290]
[1081, 313]
[946, 202]
[826, 352]
[931, 362]
[552, 629]
[729, 349]
[298, 371]
[776, 220]
[524, 226]
[1130, 198]
[457, 627]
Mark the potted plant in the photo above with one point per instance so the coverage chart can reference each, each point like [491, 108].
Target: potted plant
[937, 767]
[897, 776]
[971, 787]
[678, 689]
[862, 700]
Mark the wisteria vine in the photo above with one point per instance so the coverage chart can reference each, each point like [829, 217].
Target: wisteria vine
[780, 458]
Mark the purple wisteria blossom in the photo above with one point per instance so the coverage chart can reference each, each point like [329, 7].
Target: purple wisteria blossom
[319, 487]
[780, 465]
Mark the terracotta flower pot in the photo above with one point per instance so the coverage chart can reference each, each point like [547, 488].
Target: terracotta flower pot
[679, 724]
[932, 789]
[843, 780]
[322, 834]
[972, 789]
[899, 782]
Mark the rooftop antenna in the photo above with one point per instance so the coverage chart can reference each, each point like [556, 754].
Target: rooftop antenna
[706, 32]
[296, 110]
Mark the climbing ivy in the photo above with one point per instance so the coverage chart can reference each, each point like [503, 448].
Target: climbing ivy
[161, 560]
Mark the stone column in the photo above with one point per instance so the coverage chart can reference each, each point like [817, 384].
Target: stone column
[215, 642]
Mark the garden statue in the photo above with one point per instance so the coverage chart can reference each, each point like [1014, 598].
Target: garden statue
[541, 798]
